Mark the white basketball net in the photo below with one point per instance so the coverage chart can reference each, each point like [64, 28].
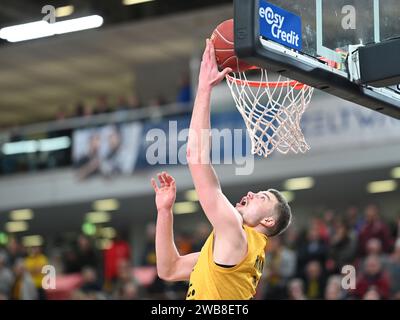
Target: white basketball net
[272, 111]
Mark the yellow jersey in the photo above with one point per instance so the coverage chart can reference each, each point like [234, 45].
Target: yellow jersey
[209, 281]
[34, 265]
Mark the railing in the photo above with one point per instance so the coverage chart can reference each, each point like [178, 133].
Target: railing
[100, 119]
[48, 145]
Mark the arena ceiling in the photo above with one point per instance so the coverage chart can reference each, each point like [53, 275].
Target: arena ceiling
[40, 76]
[114, 11]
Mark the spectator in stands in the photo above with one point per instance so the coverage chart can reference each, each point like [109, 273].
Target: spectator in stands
[61, 114]
[134, 102]
[119, 252]
[70, 261]
[157, 289]
[372, 294]
[102, 105]
[315, 280]
[56, 260]
[90, 281]
[79, 110]
[125, 285]
[159, 101]
[87, 255]
[354, 220]
[23, 287]
[34, 264]
[319, 224]
[393, 267]
[83, 110]
[296, 290]
[395, 227]
[374, 227]
[342, 250]
[149, 252]
[14, 250]
[313, 248]
[201, 234]
[87, 111]
[122, 104]
[374, 247]
[333, 290]
[121, 109]
[373, 277]
[291, 237]
[6, 276]
[185, 90]
[129, 292]
[183, 243]
[280, 266]
[328, 224]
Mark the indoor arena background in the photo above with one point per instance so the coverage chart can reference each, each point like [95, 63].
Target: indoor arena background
[87, 118]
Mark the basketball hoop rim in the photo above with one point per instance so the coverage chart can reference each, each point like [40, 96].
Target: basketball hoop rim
[268, 84]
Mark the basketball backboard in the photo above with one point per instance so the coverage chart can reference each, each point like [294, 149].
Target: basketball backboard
[312, 41]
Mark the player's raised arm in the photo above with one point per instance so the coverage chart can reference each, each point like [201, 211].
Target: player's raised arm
[218, 209]
[170, 265]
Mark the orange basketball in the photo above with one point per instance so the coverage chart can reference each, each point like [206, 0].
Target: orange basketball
[223, 40]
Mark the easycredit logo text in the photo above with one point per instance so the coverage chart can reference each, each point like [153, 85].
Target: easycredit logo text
[279, 25]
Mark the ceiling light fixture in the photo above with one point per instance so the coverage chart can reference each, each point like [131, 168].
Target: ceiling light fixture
[106, 205]
[32, 241]
[21, 214]
[299, 183]
[32, 146]
[64, 11]
[288, 195]
[191, 195]
[41, 29]
[132, 2]
[108, 232]
[98, 217]
[185, 207]
[381, 186]
[16, 226]
[396, 173]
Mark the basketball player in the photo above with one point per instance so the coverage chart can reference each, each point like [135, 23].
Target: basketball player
[231, 261]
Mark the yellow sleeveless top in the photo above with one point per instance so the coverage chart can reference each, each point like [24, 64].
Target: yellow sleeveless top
[208, 281]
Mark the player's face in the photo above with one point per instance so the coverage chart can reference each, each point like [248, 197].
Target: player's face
[254, 207]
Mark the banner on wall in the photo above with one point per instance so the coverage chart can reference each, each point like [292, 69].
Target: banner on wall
[333, 123]
[108, 151]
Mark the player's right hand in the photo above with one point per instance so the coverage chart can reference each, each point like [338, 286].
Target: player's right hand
[209, 75]
[166, 193]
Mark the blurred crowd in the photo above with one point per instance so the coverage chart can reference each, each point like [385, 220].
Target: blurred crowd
[317, 262]
[312, 264]
[103, 105]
